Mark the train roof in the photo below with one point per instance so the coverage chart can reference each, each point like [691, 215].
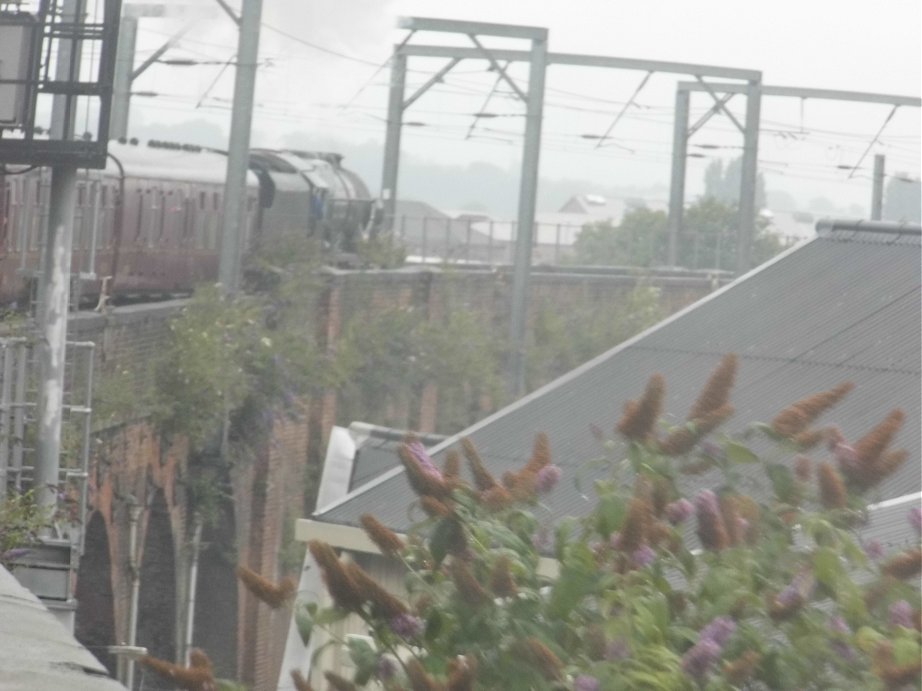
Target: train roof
[321, 169]
[165, 161]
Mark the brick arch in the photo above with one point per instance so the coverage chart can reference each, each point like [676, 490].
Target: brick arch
[95, 618]
[157, 597]
[216, 614]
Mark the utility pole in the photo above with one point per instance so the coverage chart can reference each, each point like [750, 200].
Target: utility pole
[525, 225]
[749, 174]
[54, 274]
[238, 155]
[395, 109]
[121, 85]
[677, 183]
[877, 191]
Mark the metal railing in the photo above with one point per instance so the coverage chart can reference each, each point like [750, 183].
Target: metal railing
[444, 240]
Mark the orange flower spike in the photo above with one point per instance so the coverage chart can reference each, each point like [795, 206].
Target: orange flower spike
[468, 588]
[797, 417]
[894, 676]
[483, 480]
[272, 594]
[420, 680]
[870, 447]
[635, 526]
[381, 600]
[682, 440]
[497, 498]
[639, 419]
[452, 468]
[711, 529]
[384, 538]
[742, 668]
[462, 673]
[661, 495]
[749, 510]
[733, 524]
[809, 438]
[716, 392]
[540, 455]
[301, 684]
[889, 461]
[197, 677]
[904, 565]
[803, 468]
[435, 508]
[501, 582]
[833, 494]
[548, 663]
[342, 588]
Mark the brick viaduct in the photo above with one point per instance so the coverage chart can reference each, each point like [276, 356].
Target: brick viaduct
[133, 460]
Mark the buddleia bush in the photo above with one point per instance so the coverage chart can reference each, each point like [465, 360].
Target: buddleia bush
[678, 578]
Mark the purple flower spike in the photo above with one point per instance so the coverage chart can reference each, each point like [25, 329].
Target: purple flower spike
[585, 682]
[719, 630]
[407, 626]
[616, 650]
[915, 518]
[839, 625]
[844, 650]
[700, 658]
[901, 614]
[547, 478]
[706, 503]
[541, 540]
[679, 511]
[846, 456]
[874, 549]
[643, 556]
[425, 460]
[386, 668]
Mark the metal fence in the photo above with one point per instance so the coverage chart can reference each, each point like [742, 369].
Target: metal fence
[444, 240]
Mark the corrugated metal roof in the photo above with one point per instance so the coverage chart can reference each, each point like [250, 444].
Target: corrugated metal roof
[844, 306]
[37, 653]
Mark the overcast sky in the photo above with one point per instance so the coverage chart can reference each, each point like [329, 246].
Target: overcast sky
[326, 77]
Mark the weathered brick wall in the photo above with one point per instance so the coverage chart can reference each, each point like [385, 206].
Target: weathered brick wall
[134, 460]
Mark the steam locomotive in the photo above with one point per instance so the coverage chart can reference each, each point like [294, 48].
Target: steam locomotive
[150, 222]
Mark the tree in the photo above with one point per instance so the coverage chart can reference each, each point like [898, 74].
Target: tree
[636, 241]
[774, 592]
[708, 239]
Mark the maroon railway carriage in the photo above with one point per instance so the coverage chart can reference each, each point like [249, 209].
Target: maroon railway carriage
[147, 224]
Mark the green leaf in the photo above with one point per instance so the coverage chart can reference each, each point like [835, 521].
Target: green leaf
[783, 482]
[442, 537]
[609, 514]
[229, 685]
[364, 658]
[827, 567]
[905, 651]
[304, 621]
[738, 453]
[325, 617]
[572, 586]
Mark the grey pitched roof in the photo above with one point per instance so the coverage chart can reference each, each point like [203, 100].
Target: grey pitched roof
[843, 306]
[37, 652]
